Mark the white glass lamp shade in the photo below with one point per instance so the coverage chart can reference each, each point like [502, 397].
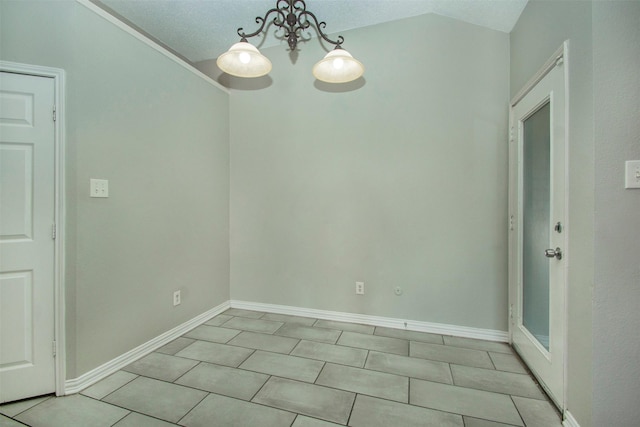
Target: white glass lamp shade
[244, 60]
[338, 66]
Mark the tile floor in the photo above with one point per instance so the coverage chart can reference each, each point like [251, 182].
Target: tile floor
[247, 368]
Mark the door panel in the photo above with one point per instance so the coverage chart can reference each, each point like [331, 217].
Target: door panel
[538, 202]
[27, 203]
[16, 212]
[17, 319]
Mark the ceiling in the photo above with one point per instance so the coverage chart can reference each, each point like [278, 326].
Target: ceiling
[203, 29]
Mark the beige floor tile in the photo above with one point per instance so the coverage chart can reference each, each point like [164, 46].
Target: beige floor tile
[8, 422]
[373, 412]
[345, 326]
[498, 347]
[331, 353]
[218, 320]
[109, 384]
[244, 313]
[537, 413]
[212, 333]
[302, 421]
[329, 336]
[409, 335]
[374, 342]
[161, 366]
[264, 342]
[155, 398]
[221, 354]
[175, 346]
[497, 381]
[14, 408]
[508, 363]
[281, 365]
[254, 325]
[409, 366]
[138, 420]
[464, 401]
[246, 368]
[217, 410]
[307, 399]
[298, 320]
[477, 422]
[223, 380]
[72, 411]
[457, 355]
[364, 381]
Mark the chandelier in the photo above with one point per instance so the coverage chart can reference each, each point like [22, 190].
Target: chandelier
[245, 60]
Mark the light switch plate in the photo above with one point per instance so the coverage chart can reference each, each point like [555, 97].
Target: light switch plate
[632, 174]
[98, 188]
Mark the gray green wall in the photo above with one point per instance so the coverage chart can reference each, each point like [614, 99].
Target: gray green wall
[616, 318]
[159, 134]
[401, 182]
[540, 31]
[397, 180]
[604, 225]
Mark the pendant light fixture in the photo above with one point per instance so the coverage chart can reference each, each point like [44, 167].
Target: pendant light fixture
[245, 60]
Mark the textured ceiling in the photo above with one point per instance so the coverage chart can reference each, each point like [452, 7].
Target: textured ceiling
[203, 29]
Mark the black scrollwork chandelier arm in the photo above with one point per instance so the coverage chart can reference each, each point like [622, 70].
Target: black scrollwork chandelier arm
[293, 17]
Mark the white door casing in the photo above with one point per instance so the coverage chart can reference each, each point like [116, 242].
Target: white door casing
[27, 236]
[545, 353]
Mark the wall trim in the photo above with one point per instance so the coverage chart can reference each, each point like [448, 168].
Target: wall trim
[558, 55]
[152, 44]
[76, 385]
[569, 421]
[410, 325]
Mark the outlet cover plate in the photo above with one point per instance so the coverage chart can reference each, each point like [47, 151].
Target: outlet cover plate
[98, 187]
[632, 174]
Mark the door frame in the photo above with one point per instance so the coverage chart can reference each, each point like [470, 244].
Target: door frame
[59, 79]
[561, 54]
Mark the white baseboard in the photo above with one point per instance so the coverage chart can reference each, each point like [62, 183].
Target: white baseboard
[76, 385]
[410, 325]
[569, 421]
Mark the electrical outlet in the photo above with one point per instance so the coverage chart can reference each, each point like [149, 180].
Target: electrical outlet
[98, 187]
[359, 288]
[176, 298]
[632, 174]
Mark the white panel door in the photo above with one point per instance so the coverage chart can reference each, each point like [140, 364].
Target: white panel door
[27, 202]
[538, 240]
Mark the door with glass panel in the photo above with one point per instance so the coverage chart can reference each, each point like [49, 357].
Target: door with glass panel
[538, 227]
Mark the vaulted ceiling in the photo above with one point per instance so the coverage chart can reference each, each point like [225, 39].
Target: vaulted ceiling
[203, 29]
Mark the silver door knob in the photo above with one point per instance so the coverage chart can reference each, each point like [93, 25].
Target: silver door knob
[553, 253]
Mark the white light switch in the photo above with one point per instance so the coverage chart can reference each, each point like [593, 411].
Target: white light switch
[632, 174]
[98, 188]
